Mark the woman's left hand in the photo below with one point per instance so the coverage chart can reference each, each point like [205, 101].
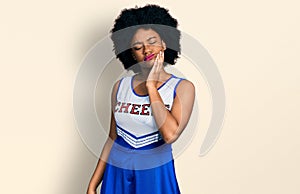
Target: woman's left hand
[152, 80]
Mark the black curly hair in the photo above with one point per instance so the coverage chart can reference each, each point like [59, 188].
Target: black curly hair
[148, 17]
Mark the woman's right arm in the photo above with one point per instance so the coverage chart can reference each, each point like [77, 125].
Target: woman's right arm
[99, 171]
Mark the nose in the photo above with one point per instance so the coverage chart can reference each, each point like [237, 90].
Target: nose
[147, 49]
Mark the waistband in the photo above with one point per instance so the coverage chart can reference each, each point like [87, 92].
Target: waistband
[126, 157]
[159, 144]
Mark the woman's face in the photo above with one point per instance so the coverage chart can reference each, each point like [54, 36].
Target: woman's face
[146, 44]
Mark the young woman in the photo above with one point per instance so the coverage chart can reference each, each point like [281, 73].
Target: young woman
[149, 109]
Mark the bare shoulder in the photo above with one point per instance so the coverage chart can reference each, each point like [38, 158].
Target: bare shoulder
[116, 85]
[114, 91]
[185, 86]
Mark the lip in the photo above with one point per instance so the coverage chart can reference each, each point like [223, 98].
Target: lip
[149, 57]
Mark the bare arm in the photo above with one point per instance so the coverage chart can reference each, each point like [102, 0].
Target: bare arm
[99, 171]
[172, 123]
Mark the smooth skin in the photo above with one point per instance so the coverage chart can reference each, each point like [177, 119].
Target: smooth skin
[152, 76]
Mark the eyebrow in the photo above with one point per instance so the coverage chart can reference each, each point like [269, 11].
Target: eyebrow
[141, 43]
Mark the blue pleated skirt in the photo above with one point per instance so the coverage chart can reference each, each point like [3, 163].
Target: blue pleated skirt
[146, 170]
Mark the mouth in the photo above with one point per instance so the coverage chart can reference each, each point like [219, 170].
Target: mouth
[149, 57]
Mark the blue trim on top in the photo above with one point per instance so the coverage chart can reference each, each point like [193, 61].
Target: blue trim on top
[131, 85]
[174, 93]
[118, 88]
[124, 146]
[134, 135]
[165, 82]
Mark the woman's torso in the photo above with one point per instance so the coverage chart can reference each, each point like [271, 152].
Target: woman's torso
[135, 123]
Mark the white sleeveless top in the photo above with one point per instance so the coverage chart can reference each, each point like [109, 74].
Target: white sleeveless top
[134, 120]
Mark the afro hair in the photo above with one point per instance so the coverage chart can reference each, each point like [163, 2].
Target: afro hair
[148, 17]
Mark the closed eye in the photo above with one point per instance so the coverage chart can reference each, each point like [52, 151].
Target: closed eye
[137, 48]
[152, 42]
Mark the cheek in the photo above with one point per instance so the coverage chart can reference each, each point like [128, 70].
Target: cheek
[138, 54]
[158, 48]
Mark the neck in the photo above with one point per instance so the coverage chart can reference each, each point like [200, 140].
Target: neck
[144, 73]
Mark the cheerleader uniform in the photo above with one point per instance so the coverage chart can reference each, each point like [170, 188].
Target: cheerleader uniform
[140, 162]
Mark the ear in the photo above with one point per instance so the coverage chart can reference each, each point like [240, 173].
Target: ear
[163, 45]
[133, 56]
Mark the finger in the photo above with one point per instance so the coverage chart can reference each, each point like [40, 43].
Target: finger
[153, 69]
[162, 57]
[156, 63]
[157, 67]
[161, 60]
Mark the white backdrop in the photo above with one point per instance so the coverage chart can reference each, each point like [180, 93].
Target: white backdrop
[255, 44]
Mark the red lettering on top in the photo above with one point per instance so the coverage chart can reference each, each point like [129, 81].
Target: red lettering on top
[142, 109]
[117, 106]
[145, 108]
[133, 109]
[124, 106]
